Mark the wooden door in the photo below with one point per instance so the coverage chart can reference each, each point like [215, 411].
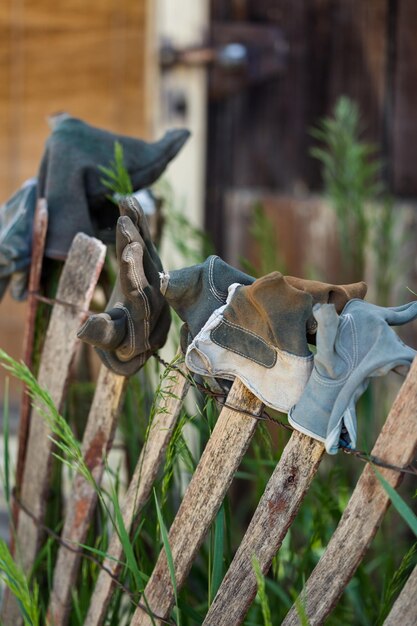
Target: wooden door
[258, 135]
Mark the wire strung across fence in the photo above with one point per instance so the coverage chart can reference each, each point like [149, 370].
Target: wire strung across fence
[220, 398]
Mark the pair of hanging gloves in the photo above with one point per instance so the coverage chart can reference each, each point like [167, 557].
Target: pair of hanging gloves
[261, 335]
[256, 330]
[78, 201]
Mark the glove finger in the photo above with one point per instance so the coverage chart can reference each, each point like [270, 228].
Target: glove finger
[133, 279]
[398, 315]
[344, 416]
[137, 269]
[333, 437]
[130, 207]
[105, 330]
[327, 325]
[122, 368]
[355, 290]
[126, 233]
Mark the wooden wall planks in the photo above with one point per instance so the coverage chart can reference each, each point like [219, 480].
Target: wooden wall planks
[260, 137]
[86, 58]
[405, 100]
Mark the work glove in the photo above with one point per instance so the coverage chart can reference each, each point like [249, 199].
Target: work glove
[258, 336]
[326, 293]
[137, 318]
[351, 348]
[71, 182]
[16, 227]
[195, 292]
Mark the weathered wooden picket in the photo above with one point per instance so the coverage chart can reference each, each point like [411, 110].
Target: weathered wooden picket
[235, 427]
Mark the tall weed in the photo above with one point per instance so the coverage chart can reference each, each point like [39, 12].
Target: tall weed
[365, 212]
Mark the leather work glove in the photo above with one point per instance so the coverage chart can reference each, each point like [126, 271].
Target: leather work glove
[259, 336]
[351, 348]
[70, 179]
[137, 319]
[16, 227]
[325, 293]
[195, 292]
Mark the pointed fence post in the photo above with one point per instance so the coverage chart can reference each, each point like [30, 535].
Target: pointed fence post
[222, 455]
[76, 286]
[396, 444]
[97, 441]
[275, 513]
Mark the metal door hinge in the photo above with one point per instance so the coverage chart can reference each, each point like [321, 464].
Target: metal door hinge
[238, 55]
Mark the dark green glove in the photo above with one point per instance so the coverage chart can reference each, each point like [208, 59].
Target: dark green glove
[16, 226]
[70, 179]
[137, 319]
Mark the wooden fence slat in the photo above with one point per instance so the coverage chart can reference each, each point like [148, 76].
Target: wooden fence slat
[97, 440]
[205, 493]
[276, 510]
[396, 445]
[40, 226]
[404, 610]
[174, 389]
[76, 286]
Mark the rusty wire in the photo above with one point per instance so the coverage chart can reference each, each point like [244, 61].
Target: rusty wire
[220, 398]
[87, 556]
[53, 301]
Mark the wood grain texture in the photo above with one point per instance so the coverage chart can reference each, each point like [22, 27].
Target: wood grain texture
[202, 500]
[78, 280]
[97, 441]
[174, 389]
[404, 124]
[259, 138]
[40, 226]
[396, 444]
[404, 611]
[276, 511]
[357, 58]
[85, 58]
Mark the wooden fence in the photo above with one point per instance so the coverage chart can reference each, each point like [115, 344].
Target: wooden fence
[231, 436]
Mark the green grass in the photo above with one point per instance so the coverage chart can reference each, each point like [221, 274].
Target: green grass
[364, 209]
[261, 596]
[373, 586]
[15, 580]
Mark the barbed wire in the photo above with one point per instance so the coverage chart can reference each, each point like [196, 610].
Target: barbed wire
[220, 398]
[51, 533]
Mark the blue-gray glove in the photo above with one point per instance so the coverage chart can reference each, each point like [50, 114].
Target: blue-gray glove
[351, 348]
[16, 227]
